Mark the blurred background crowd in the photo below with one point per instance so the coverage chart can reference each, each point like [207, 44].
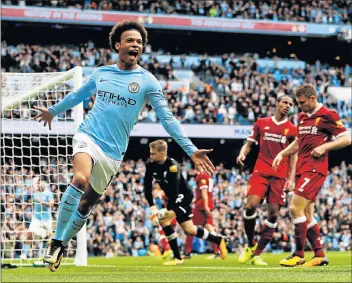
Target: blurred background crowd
[317, 11]
[233, 89]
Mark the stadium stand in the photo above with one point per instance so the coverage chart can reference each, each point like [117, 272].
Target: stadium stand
[328, 12]
[233, 89]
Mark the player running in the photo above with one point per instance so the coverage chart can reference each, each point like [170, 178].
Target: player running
[273, 134]
[202, 212]
[316, 127]
[167, 173]
[100, 144]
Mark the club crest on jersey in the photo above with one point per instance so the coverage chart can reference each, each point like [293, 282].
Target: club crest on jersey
[317, 120]
[286, 132]
[339, 124]
[133, 87]
[173, 168]
[82, 144]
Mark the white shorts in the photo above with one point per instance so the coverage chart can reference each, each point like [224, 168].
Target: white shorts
[41, 227]
[104, 167]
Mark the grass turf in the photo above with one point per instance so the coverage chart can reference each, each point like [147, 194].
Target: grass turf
[197, 269]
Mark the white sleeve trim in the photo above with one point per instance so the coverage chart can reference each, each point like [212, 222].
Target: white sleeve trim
[203, 187]
[252, 140]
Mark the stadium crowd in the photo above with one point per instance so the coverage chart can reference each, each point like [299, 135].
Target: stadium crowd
[120, 223]
[234, 90]
[316, 11]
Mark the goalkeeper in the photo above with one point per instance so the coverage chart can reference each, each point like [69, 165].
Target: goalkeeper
[121, 91]
[167, 173]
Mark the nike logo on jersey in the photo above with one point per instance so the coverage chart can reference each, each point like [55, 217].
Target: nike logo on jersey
[154, 173]
[69, 203]
[266, 128]
[102, 80]
[301, 122]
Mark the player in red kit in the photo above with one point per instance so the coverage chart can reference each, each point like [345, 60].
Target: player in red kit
[273, 135]
[202, 216]
[317, 125]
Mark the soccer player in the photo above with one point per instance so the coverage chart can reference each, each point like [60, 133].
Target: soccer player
[41, 222]
[317, 125]
[121, 92]
[202, 212]
[273, 134]
[167, 173]
[43, 200]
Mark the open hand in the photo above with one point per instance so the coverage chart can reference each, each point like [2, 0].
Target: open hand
[277, 161]
[240, 159]
[44, 115]
[202, 162]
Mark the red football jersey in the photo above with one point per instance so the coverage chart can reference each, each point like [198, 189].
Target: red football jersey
[273, 137]
[314, 130]
[204, 182]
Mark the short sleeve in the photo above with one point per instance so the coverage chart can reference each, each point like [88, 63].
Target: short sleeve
[203, 184]
[293, 133]
[334, 124]
[254, 136]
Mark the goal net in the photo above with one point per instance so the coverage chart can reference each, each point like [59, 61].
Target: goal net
[36, 165]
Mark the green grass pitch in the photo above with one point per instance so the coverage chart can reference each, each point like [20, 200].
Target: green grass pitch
[197, 269]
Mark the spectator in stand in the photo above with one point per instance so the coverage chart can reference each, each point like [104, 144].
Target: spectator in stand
[234, 91]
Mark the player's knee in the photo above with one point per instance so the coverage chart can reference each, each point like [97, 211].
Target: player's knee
[250, 211]
[80, 181]
[251, 206]
[190, 230]
[273, 213]
[209, 227]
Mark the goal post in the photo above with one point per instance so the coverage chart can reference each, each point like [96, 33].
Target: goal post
[33, 157]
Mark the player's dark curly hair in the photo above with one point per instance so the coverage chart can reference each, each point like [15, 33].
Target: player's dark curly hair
[119, 28]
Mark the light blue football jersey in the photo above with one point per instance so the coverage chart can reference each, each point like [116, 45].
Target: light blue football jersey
[120, 97]
[42, 212]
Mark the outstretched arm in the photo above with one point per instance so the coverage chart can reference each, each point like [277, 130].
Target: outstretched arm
[173, 127]
[71, 100]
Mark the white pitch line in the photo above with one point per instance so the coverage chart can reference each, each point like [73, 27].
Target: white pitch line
[208, 267]
[102, 265]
